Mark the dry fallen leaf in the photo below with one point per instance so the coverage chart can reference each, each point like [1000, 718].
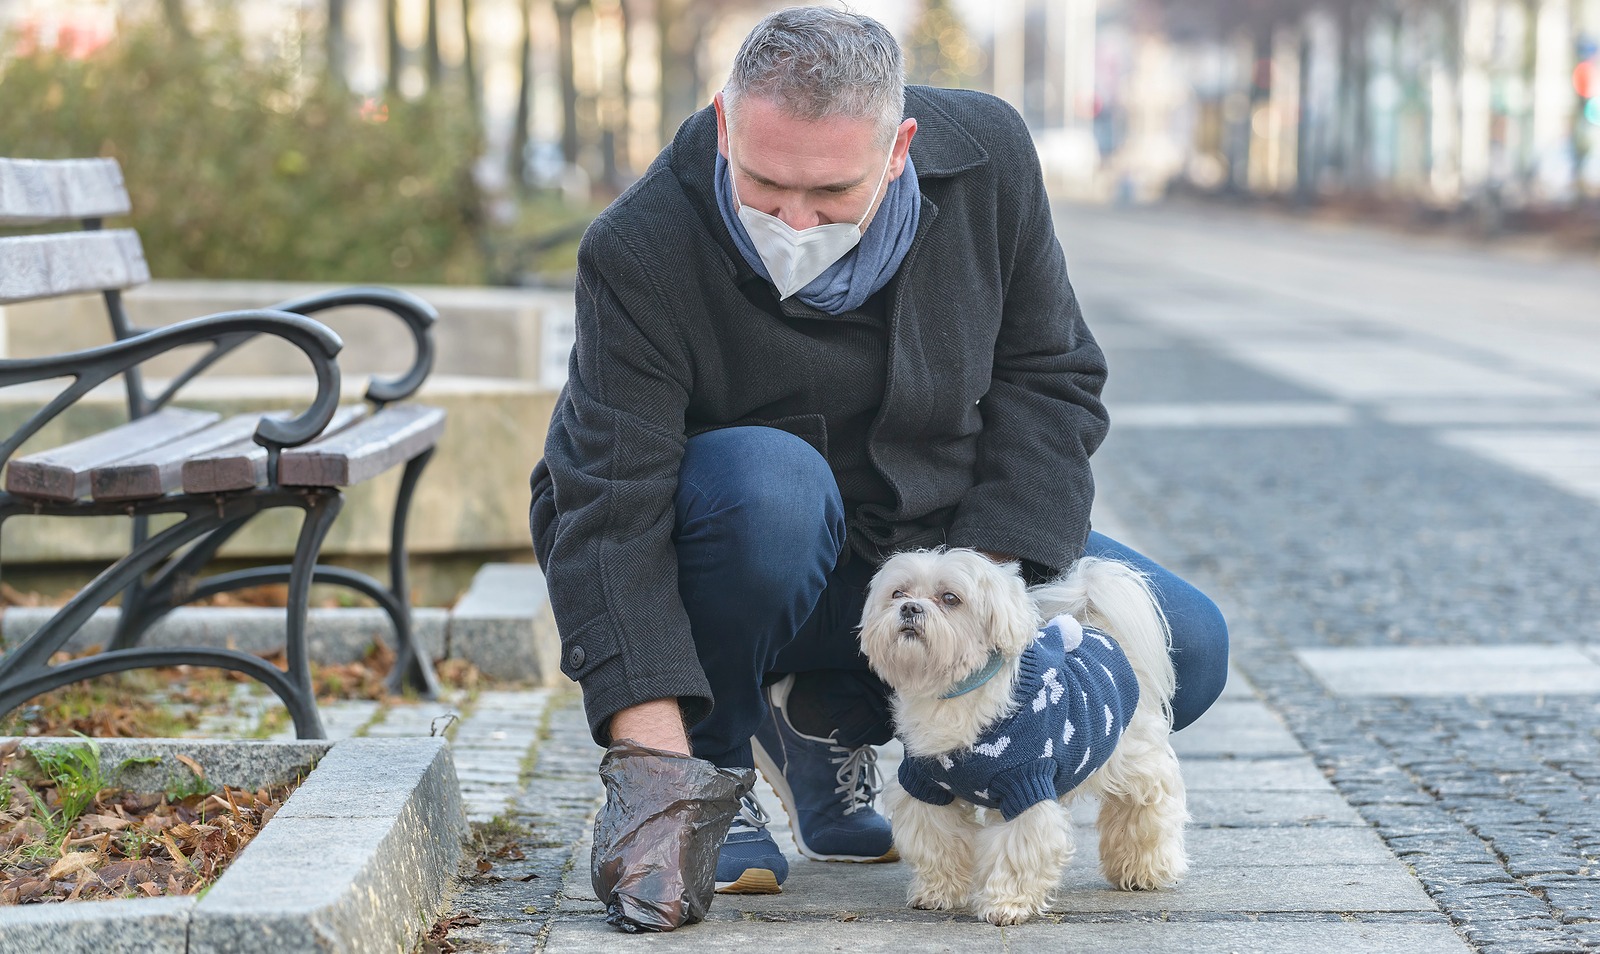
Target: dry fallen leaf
[194, 766]
[71, 863]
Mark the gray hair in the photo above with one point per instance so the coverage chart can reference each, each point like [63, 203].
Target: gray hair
[818, 62]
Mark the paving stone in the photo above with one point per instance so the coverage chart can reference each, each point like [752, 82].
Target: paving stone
[1211, 848]
[1237, 729]
[1454, 671]
[1225, 809]
[958, 937]
[1297, 774]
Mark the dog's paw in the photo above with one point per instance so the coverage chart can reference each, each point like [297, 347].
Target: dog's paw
[937, 897]
[1003, 913]
[1148, 871]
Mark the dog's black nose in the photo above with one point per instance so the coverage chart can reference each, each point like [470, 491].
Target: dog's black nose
[910, 611]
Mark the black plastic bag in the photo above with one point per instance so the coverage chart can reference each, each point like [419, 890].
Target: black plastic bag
[657, 838]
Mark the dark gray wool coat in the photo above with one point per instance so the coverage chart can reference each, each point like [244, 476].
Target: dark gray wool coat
[959, 406]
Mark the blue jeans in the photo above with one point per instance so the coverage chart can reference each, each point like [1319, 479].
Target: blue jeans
[760, 531]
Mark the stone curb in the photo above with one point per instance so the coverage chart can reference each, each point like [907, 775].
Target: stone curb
[502, 625]
[359, 859]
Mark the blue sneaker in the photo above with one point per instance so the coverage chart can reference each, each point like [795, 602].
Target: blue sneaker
[750, 862]
[827, 789]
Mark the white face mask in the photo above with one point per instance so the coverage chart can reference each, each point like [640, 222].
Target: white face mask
[794, 257]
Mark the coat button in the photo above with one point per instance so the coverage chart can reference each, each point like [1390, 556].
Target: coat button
[575, 657]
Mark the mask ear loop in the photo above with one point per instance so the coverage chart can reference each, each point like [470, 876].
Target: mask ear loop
[881, 176]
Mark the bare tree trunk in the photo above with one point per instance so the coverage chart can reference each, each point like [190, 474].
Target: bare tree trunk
[336, 41]
[1305, 149]
[177, 20]
[519, 132]
[469, 62]
[624, 119]
[396, 51]
[565, 10]
[680, 31]
[435, 62]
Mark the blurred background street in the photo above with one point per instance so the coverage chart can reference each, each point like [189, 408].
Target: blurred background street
[507, 123]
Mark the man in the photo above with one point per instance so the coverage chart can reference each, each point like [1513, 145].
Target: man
[832, 321]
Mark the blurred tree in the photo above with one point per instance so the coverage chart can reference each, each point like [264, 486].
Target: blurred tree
[396, 61]
[681, 26]
[469, 60]
[433, 60]
[237, 169]
[524, 117]
[335, 41]
[565, 11]
[177, 19]
[939, 51]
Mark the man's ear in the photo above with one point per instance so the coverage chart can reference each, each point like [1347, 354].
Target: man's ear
[722, 124]
[902, 147]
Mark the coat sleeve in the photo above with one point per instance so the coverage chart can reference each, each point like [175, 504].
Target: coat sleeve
[614, 449]
[1042, 415]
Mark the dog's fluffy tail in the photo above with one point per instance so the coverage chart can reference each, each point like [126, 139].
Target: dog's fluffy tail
[1112, 596]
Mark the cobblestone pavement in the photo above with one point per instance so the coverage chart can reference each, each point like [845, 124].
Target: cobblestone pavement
[1384, 447]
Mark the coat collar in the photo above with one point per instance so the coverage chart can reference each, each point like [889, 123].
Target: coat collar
[941, 148]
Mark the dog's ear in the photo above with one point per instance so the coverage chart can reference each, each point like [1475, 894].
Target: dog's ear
[1013, 619]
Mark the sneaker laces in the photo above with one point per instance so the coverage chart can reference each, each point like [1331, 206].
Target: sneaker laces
[751, 815]
[858, 778]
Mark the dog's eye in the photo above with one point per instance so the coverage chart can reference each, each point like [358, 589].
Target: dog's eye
[899, 595]
[950, 599]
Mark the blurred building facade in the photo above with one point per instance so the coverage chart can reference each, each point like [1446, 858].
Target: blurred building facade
[1487, 105]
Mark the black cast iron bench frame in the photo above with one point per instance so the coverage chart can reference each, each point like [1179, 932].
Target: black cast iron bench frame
[221, 488]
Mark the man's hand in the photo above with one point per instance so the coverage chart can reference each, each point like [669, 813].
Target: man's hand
[657, 724]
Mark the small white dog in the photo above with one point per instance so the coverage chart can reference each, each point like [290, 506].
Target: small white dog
[999, 713]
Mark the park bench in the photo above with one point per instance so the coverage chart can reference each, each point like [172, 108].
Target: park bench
[215, 474]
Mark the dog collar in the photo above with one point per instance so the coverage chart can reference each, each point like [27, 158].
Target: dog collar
[996, 660]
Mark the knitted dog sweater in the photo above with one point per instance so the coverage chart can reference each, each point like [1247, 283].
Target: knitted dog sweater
[1074, 695]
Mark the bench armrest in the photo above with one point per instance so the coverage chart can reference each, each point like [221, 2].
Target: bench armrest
[419, 318]
[91, 367]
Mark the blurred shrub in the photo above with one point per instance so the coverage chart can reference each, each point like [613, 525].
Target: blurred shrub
[244, 168]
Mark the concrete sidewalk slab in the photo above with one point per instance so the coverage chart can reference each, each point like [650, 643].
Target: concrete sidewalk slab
[1270, 837]
[1268, 774]
[940, 937]
[1242, 729]
[1455, 670]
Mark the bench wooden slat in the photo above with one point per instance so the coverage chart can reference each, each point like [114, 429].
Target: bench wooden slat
[394, 435]
[43, 190]
[159, 470]
[242, 464]
[62, 473]
[67, 263]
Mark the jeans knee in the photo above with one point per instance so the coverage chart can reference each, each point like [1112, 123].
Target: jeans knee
[759, 490]
[1200, 654]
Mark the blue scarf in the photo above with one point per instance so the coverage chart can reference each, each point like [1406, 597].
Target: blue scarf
[850, 281]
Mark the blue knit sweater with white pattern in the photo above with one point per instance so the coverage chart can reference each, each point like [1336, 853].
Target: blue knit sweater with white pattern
[1074, 695]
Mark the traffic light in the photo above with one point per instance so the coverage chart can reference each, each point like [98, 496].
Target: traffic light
[1586, 83]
